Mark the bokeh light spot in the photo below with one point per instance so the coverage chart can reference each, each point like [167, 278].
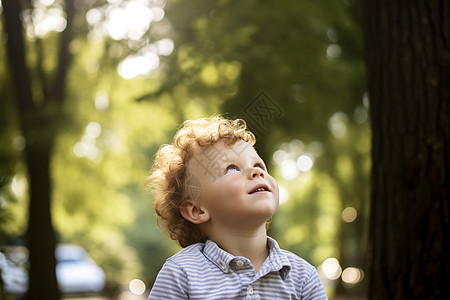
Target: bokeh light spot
[352, 275]
[331, 268]
[349, 214]
[305, 163]
[137, 286]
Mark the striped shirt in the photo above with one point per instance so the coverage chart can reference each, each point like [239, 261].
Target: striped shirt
[205, 271]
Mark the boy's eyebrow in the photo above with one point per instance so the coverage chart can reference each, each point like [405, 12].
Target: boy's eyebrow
[257, 161]
[263, 164]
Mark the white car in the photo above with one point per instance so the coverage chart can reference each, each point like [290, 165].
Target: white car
[13, 267]
[75, 270]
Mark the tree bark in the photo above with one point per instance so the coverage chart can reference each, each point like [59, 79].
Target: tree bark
[408, 63]
[41, 237]
[39, 124]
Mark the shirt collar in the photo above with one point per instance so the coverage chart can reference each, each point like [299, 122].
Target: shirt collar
[217, 256]
[276, 262]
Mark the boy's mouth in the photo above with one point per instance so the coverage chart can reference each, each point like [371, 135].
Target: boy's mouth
[260, 188]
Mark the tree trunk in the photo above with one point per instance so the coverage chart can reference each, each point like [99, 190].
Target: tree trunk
[41, 237]
[408, 61]
[39, 134]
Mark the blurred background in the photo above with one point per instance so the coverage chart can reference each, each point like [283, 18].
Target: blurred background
[111, 80]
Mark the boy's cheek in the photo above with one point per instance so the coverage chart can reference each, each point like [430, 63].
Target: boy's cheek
[275, 185]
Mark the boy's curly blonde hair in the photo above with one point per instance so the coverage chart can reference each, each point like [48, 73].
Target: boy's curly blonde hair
[167, 178]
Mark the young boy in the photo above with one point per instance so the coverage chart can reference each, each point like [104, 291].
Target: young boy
[213, 195]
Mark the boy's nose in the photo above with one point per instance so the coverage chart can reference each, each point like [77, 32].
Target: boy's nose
[256, 172]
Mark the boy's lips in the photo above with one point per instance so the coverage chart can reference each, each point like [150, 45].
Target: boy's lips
[260, 188]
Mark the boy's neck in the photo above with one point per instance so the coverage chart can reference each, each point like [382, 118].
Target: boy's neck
[252, 245]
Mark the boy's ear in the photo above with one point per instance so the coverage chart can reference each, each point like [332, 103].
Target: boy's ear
[193, 213]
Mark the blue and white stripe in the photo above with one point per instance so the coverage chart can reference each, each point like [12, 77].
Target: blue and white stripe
[205, 271]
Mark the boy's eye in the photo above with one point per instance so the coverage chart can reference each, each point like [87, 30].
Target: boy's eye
[231, 168]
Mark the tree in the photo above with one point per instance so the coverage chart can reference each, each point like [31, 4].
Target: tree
[407, 45]
[36, 120]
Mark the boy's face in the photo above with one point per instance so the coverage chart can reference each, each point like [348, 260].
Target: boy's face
[235, 188]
